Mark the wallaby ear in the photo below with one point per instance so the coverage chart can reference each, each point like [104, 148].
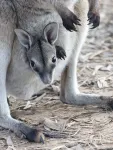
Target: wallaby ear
[24, 38]
[51, 32]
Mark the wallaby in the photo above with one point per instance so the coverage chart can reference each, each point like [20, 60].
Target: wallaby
[25, 65]
[15, 14]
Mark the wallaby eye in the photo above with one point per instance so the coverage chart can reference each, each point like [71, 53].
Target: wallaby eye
[54, 59]
[32, 63]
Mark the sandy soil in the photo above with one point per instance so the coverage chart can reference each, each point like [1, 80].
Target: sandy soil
[87, 127]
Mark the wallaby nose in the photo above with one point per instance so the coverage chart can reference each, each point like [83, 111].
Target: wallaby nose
[46, 78]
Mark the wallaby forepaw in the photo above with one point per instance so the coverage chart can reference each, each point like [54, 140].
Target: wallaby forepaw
[60, 52]
[93, 19]
[70, 20]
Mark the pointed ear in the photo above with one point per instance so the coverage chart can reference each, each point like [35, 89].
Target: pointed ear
[24, 38]
[51, 32]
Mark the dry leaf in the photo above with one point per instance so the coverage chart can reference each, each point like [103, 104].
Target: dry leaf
[40, 97]
[107, 68]
[53, 125]
[70, 124]
[10, 144]
[74, 147]
[79, 147]
[97, 53]
[28, 105]
[84, 58]
[96, 69]
[102, 83]
[56, 89]
[62, 147]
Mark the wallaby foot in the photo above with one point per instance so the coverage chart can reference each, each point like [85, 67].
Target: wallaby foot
[22, 130]
[71, 95]
[87, 99]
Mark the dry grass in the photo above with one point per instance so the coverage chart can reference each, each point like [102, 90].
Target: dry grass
[87, 128]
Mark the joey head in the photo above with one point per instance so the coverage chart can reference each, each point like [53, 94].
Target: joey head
[41, 52]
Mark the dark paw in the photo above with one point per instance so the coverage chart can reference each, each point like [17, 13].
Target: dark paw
[108, 102]
[70, 20]
[35, 136]
[32, 135]
[110, 105]
[93, 19]
[60, 52]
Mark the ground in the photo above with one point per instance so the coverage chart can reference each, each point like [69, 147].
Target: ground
[86, 127]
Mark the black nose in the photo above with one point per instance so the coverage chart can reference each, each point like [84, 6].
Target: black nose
[46, 78]
[54, 59]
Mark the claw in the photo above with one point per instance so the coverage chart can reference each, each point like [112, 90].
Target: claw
[94, 19]
[40, 138]
[35, 136]
[31, 134]
[60, 52]
[70, 20]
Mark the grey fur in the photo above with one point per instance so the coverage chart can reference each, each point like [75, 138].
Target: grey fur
[16, 76]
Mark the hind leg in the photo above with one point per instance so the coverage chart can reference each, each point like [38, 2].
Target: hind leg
[6, 120]
[7, 25]
[69, 87]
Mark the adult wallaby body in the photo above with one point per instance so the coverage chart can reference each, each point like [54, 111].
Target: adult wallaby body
[16, 76]
[31, 16]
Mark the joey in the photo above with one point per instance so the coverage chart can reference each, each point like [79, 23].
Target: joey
[41, 52]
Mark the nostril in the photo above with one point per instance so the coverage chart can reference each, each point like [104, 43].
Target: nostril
[32, 64]
[54, 59]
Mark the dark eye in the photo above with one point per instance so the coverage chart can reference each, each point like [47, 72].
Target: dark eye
[54, 59]
[32, 63]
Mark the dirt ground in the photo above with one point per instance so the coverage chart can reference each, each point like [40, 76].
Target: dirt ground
[86, 127]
